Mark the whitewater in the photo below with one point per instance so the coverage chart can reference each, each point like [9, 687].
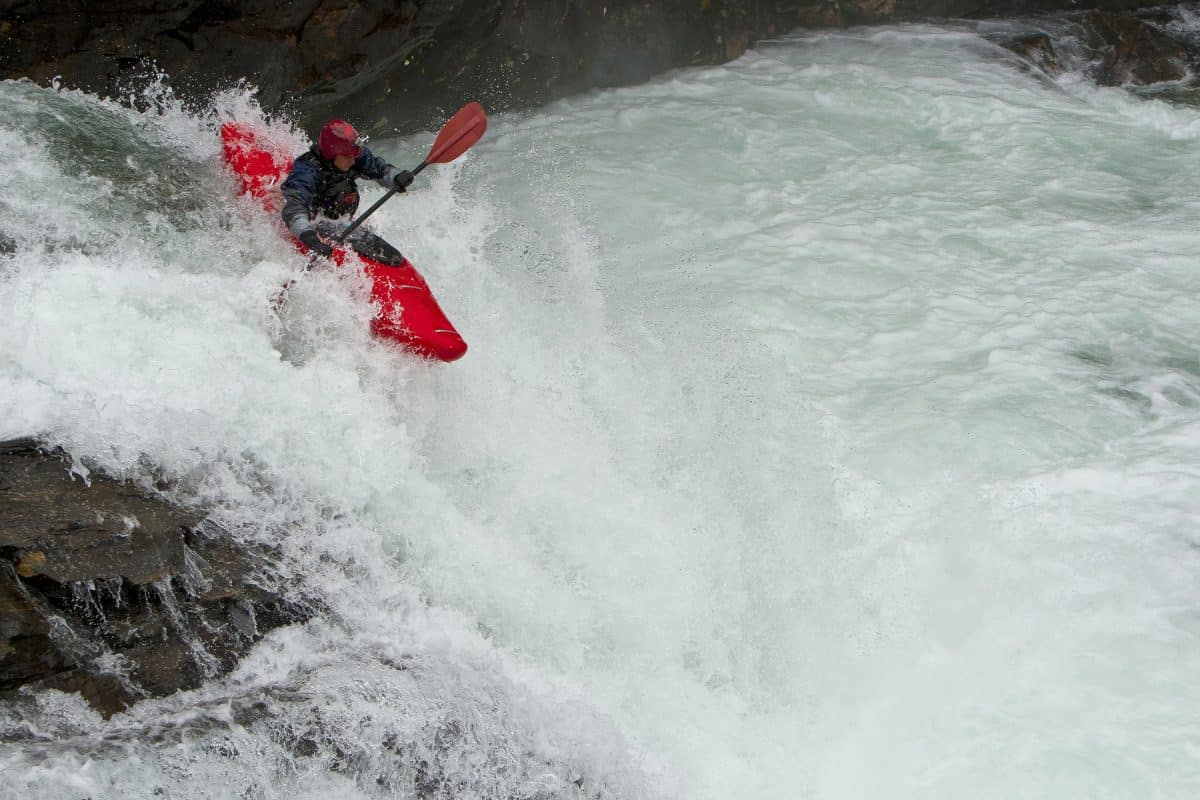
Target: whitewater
[830, 429]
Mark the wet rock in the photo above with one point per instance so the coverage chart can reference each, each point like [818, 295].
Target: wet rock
[1133, 50]
[319, 50]
[110, 591]
[56, 528]
[26, 647]
[1138, 48]
[1036, 49]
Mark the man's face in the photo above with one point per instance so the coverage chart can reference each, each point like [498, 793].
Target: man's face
[343, 162]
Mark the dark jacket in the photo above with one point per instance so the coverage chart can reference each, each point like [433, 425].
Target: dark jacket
[315, 186]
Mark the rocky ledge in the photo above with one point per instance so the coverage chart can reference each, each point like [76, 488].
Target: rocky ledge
[1136, 49]
[110, 591]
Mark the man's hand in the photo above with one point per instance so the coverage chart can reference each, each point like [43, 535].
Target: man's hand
[403, 180]
[313, 242]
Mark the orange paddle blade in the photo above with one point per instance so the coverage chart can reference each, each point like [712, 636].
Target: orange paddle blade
[462, 131]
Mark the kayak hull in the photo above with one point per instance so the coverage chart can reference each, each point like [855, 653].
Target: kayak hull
[408, 314]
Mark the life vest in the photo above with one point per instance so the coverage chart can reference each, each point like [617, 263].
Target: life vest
[339, 193]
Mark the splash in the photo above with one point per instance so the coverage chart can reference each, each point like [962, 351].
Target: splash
[834, 407]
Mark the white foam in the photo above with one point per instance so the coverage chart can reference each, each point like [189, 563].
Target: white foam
[825, 432]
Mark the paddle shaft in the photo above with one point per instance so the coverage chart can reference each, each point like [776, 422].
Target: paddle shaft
[349, 229]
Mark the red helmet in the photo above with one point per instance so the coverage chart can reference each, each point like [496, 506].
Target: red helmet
[338, 138]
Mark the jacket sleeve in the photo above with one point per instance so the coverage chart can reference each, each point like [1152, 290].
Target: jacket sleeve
[298, 192]
[372, 166]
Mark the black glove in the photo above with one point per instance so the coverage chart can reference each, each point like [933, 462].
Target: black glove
[313, 242]
[403, 180]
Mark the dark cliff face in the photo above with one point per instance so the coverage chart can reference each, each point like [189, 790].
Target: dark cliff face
[403, 65]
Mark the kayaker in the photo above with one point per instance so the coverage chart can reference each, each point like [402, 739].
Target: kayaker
[321, 188]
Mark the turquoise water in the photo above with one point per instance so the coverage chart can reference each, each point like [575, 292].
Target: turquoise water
[829, 430]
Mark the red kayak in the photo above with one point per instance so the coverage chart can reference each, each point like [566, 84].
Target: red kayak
[408, 313]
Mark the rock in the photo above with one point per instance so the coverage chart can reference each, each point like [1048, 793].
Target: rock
[1134, 51]
[27, 650]
[1037, 50]
[318, 50]
[1114, 49]
[403, 66]
[110, 591]
[57, 528]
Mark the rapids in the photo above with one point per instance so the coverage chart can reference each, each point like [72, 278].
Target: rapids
[830, 429]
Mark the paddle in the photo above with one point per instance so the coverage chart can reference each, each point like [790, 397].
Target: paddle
[456, 137]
